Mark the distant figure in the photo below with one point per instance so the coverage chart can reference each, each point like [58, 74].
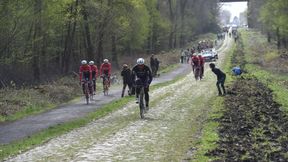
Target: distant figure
[237, 71]
[152, 64]
[220, 79]
[157, 62]
[182, 55]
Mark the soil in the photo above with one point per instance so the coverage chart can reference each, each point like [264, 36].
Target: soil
[253, 127]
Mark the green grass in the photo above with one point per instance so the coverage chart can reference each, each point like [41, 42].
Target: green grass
[275, 81]
[169, 68]
[209, 132]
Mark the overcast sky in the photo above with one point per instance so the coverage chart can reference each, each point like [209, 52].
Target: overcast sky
[235, 8]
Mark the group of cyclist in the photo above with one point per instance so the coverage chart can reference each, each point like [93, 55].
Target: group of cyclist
[140, 76]
[88, 72]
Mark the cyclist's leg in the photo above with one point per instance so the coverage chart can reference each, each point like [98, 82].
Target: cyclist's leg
[94, 85]
[83, 87]
[90, 87]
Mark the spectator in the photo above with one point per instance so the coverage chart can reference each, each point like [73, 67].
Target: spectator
[127, 79]
[157, 62]
[236, 71]
[152, 64]
[220, 79]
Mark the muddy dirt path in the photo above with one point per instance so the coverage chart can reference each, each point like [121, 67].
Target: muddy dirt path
[176, 114]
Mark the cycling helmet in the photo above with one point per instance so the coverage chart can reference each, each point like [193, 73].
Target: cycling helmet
[91, 63]
[125, 65]
[105, 60]
[83, 62]
[140, 61]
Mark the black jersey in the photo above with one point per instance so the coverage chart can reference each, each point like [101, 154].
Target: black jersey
[143, 73]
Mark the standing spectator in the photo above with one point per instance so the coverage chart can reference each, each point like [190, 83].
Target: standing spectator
[182, 55]
[220, 79]
[157, 62]
[152, 64]
[127, 79]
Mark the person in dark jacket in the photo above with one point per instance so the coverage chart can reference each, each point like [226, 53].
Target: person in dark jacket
[221, 76]
[127, 80]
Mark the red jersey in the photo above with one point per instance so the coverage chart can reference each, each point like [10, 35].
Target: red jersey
[94, 70]
[105, 68]
[201, 60]
[85, 69]
[195, 61]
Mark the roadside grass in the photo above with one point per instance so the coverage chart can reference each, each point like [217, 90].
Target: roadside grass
[254, 60]
[209, 136]
[57, 130]
[276, 81]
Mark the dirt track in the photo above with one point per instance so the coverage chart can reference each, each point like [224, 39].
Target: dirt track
[176, 114]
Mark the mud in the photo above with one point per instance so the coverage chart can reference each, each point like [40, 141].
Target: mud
[253, 127]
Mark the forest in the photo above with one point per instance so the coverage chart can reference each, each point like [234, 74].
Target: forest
[270, 17]
[42, 40]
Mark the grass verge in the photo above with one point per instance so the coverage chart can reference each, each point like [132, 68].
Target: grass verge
[209, 136]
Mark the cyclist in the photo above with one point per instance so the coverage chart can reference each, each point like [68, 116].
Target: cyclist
[141, 75]
[105, 70]
[195, 62]
[201, 63]
[126, 75]
[85, 74]
[94, 70]
[220, 79]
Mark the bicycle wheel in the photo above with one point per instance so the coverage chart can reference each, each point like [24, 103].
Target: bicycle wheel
[141, 103]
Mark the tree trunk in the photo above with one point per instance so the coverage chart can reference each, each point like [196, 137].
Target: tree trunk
[182, 11]
[99, 58]
[90, 47]
[37, 39]
[69, 40]
[114, 51]
[278, 38]
[269, 37]
[171, 35]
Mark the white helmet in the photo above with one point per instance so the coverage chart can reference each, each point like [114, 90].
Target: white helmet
[105, 60]
[140, 61]
[83, 62]
[91, 63]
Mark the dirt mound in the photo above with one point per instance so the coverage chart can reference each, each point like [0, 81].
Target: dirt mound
[252, 128]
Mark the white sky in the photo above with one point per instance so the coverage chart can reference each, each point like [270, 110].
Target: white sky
[235, 8]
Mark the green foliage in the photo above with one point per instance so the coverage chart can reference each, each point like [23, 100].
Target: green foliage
[274, 15]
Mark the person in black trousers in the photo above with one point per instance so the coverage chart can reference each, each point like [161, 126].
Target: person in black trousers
[221, 76]
[127, 79]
